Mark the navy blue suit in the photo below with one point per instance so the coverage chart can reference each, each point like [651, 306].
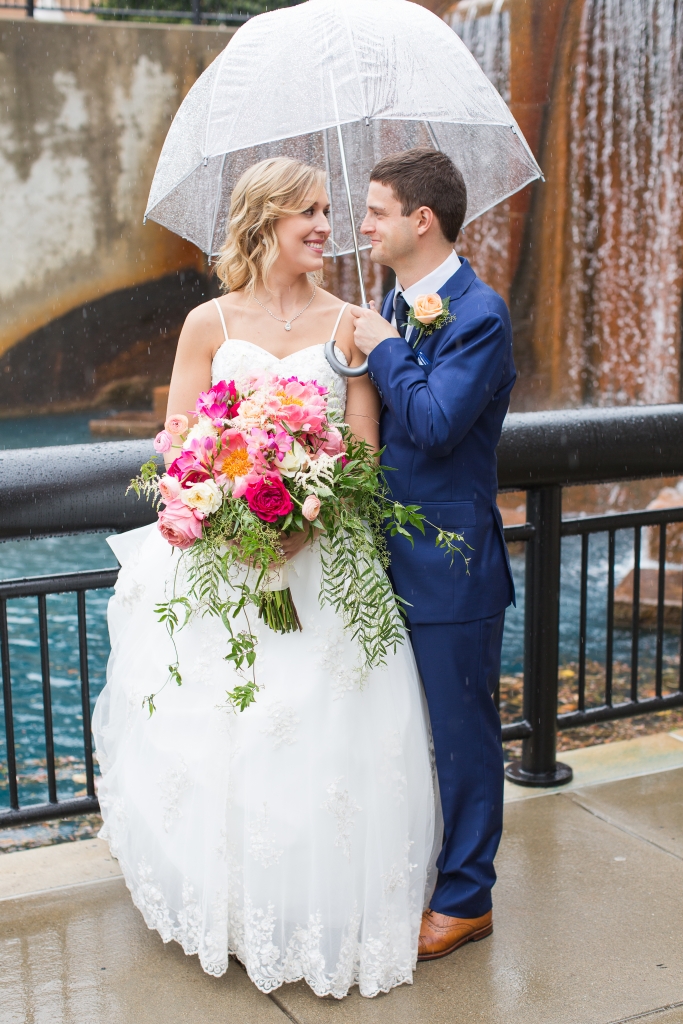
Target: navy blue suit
[442, 411]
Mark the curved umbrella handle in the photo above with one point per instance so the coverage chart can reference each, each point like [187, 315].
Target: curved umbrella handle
[342, 368]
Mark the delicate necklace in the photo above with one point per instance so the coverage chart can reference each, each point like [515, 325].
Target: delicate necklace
[288, 323]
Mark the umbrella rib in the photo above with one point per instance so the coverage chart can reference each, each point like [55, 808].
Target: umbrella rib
[217, 204]
[512, 192]
[221, 58]
[174, 186]
[345, 15]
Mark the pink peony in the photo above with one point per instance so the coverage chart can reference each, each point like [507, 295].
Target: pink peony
[179, 525]
[269, 498]
[177, 424]
[169, 487]
[163, 442]
[302, 407]
[233, 460]
[311, 507]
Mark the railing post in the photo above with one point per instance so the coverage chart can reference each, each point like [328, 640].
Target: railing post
[196, 12]
[539, 765]
[29, 8]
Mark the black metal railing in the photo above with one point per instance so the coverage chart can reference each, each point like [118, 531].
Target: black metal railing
[81, 488]
[197, 15]
[39, 587]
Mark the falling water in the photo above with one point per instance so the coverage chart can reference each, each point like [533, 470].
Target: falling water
[486, 242]
[622, 292]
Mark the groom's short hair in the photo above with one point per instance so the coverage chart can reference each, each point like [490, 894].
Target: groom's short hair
[426, 177]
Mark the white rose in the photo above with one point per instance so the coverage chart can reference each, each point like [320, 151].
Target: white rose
[205, 496]
[293, 461]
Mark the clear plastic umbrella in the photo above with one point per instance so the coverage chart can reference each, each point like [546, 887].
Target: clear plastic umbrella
[338, 84]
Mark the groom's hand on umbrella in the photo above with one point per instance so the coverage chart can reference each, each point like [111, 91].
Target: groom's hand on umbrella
[370, 328]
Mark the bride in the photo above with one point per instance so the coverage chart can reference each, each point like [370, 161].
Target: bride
[297, 835]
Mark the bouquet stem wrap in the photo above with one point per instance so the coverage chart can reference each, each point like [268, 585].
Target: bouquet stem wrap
[275, 602]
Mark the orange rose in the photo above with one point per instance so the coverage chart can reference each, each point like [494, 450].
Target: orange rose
[427, 308]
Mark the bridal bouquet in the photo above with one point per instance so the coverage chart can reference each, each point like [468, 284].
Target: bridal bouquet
[263, 460]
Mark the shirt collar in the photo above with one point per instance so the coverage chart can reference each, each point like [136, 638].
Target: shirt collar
[431, 282]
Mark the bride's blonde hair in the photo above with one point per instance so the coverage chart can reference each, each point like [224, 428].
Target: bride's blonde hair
[269, 190]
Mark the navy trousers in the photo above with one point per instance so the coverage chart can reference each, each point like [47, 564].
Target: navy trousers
[460, 665]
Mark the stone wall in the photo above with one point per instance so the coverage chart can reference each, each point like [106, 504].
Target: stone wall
[84, 110]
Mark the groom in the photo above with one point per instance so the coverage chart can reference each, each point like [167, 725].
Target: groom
[444, 397]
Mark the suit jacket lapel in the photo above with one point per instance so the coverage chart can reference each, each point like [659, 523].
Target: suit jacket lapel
[388, 305]
[457, 285]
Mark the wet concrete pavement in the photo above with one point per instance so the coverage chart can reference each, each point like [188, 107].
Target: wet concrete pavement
[588, 930]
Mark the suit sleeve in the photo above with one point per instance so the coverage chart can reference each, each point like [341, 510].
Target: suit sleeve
[438, 409]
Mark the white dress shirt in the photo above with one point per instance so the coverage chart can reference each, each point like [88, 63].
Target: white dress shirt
[427, 285]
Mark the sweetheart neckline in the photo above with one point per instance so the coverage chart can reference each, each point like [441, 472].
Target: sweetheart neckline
[307, 348]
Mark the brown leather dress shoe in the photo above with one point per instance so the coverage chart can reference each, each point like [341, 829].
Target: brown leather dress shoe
[440, 935]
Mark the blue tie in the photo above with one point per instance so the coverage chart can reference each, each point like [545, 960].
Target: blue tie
[401, 313]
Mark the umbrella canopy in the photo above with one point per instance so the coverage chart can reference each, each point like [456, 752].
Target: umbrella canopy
[338, 84]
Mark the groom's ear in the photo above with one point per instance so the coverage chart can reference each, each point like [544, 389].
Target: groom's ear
[425, 220]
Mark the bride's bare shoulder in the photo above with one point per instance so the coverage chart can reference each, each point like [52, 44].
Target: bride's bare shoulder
[203, 328]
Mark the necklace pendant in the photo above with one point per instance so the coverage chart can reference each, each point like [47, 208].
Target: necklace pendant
[288, 327]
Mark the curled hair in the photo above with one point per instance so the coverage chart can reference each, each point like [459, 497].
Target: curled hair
[274, 188]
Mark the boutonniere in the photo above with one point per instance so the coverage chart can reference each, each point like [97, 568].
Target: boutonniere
[429, 313]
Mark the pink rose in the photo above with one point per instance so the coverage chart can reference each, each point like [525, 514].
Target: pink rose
[169, 487]
[179, 525]
[177, 424]
[163, 442]
[311, 507]
[269, 498]
[333, 443]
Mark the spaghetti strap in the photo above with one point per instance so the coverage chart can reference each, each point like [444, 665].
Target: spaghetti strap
[341, 313]
[220, 313]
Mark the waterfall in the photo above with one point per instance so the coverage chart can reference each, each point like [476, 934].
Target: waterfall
[486, 242]
[624, 229]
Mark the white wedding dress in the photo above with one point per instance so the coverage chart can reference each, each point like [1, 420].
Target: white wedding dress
[297, 835]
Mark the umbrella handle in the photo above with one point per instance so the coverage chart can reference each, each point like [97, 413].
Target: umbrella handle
[342, 368]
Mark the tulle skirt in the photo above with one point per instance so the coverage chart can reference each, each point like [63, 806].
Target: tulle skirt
[297, 835]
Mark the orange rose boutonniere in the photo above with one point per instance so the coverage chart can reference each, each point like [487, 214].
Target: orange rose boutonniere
[429, 313]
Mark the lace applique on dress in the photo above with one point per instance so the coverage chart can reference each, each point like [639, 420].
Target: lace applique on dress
[262, 845]
[343, 807]
[336, 651]
[282, 723]
[129, 592]
[173, 784]
[239, 360]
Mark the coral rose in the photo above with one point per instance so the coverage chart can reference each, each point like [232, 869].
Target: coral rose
[269, 498]
[177, 424]
[311, 507]
[163, 442]
[427, 308]
[179, 525]
[169, 487]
